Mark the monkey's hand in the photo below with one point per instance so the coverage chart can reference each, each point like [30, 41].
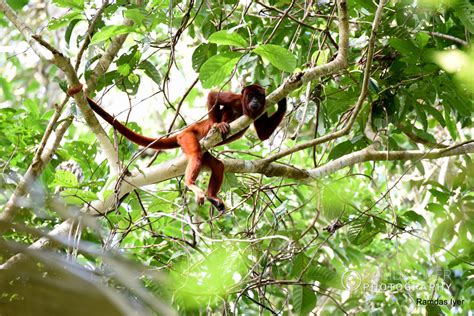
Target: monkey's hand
[223, 127]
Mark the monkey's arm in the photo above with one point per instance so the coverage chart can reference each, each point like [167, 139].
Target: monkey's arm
[265, 125]
[220, 117]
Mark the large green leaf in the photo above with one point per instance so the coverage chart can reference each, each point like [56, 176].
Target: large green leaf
[362, 231]
[226, 37]
[78, 4]
[341, 149]
[65, 179]
[304, 300]
[278, 56]
[217, 69]
[202, 53]
[442, 235]
[17, 4]
[55, 24]
[69, 29]
[150, 71]
[6, 87]
[465, 12]
[403, 46]
[110, 31]
[450, 122]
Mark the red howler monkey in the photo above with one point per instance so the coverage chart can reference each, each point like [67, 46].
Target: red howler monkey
[224, 107]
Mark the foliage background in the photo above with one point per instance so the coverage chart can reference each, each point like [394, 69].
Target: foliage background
[370, 238]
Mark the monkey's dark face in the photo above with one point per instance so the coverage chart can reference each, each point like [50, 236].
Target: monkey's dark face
[254, 100]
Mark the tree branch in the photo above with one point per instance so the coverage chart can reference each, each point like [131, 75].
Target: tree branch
[449, 38]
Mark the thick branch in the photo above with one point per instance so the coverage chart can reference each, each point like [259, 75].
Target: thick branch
[368, 154]
[174, 168]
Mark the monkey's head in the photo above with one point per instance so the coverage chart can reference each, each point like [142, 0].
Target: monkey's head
[253, 100]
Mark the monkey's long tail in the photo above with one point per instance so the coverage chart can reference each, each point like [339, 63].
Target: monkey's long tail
[155, 143]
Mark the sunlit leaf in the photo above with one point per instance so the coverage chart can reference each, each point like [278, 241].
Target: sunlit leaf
[110, 31]
[226, 37]
[216, 70]
[278, 56]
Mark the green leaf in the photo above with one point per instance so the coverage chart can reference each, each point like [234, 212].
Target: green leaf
[17, 4]
[278, 56]
[89, 62]
[321, 273]
[403, 46]
[465, 13]
[65, 179]
[78, 4]
[297, 265]
[226, 37]
[32, 106]
[413, 216]
[6, 88]
[441, 196]
[55, 24]
[443, 232]
[304, 300]
[421, 116]
[422, 39]
[124, 69]
[163, 202]
[137, 15]
[110, 31]
[423, 135]
[362, 231]
[450, 124]
[374, 85]
[216, 70]
[433, 310]
[435, 113]
[341, 149]
[150, 70]
[133, 78]
[69, 30]
[202, 53]
[322, 55]
[436, 208]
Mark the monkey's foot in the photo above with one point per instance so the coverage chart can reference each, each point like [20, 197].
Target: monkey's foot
[200, 197]
[217, 203]
[199, 194]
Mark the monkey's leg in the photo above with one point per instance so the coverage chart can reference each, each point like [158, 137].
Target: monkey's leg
[215, 183]
[190, 145]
